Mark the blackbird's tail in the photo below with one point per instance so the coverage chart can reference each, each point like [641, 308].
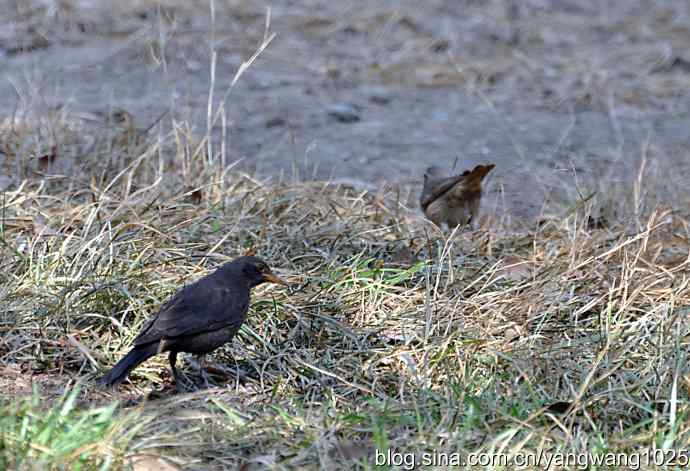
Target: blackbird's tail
[130, 361]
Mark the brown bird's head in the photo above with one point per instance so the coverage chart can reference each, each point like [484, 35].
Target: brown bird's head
[122, 118]
[437, 184]
[255, 270]
[474, 178]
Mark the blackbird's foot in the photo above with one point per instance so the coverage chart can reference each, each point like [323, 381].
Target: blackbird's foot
[183, 385]
[241, 377]
[179, 380]
[208, 382]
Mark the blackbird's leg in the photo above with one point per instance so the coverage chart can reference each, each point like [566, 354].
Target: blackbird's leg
[172, 358]
[202, 369]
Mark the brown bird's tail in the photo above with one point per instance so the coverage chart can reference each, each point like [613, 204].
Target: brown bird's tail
[130, 361]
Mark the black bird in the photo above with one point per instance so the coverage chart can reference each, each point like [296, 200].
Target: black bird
[198, 319]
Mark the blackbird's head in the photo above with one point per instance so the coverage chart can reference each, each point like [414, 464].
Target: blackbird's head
[257, 271]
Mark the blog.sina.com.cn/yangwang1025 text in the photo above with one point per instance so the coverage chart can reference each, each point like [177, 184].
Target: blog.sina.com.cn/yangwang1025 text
[633, 461]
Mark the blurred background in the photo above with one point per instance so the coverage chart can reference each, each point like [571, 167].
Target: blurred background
[573, 100]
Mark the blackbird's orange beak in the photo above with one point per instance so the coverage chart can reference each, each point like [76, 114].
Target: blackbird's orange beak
[274, 279]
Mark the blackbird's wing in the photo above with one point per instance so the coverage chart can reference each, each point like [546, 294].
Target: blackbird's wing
[197, 308]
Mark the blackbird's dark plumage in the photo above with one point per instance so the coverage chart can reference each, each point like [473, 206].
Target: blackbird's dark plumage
[198, 319]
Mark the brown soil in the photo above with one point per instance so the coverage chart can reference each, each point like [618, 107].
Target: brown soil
[565, 97]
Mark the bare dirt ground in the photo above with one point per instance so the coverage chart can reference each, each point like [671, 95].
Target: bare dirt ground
[573, 100]
[566, 97]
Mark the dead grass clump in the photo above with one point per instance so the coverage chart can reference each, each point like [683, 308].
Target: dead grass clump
[567, 338]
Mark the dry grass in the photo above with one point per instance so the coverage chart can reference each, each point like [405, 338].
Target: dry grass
[568, 338]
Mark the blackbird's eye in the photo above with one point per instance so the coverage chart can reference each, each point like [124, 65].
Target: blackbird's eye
[262, 267]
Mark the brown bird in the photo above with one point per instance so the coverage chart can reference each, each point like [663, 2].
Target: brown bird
[453, 200]
[198, 319]
[129, 135]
